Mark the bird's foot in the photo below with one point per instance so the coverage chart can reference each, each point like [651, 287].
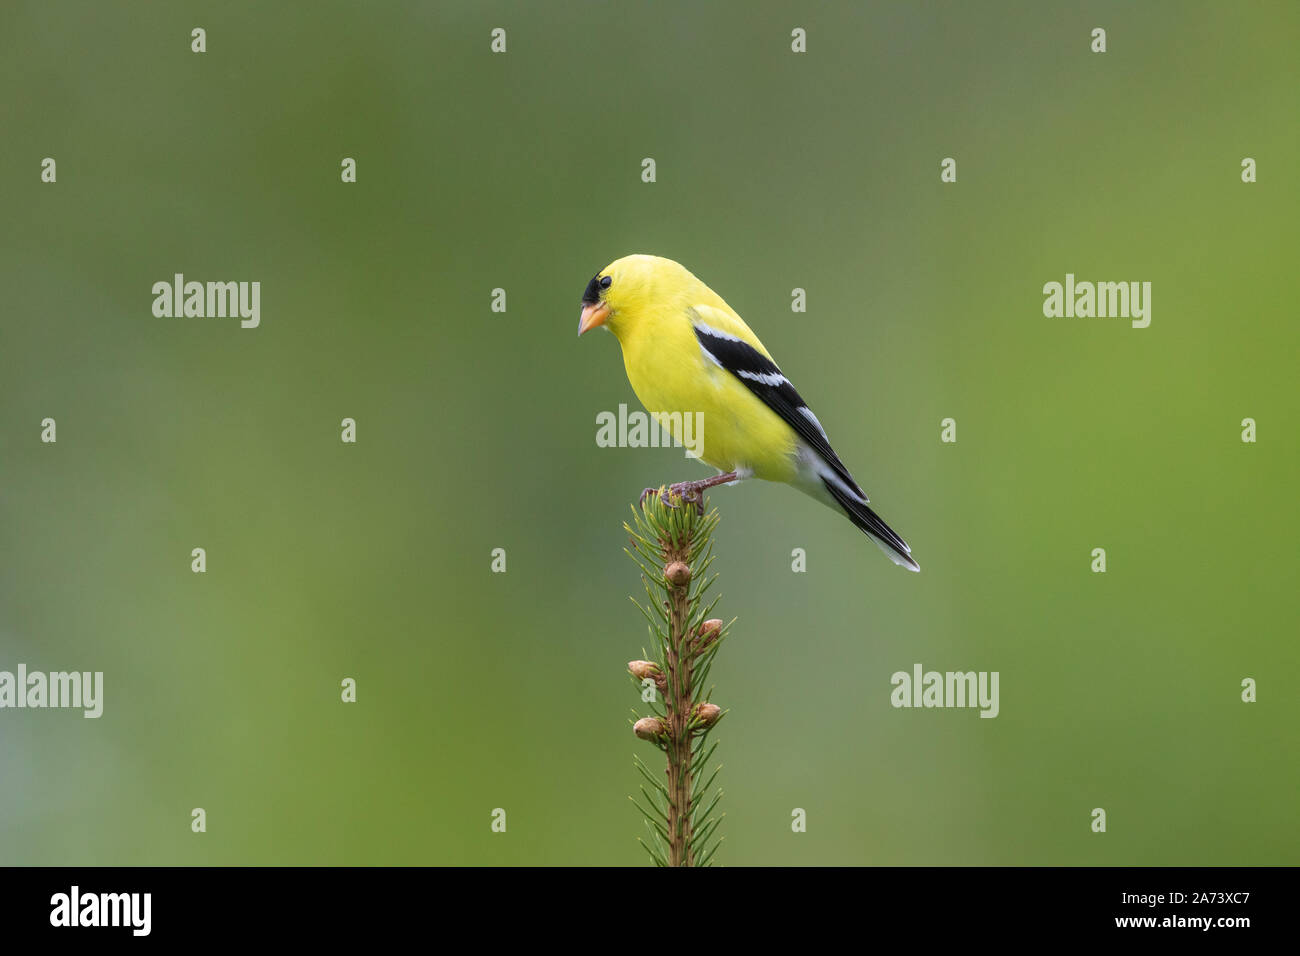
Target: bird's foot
[687, 491]
[691, 492]
[647, 493]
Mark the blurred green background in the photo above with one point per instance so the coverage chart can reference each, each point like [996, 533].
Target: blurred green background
[476, 430]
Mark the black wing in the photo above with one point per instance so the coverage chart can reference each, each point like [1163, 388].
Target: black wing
[760, 375]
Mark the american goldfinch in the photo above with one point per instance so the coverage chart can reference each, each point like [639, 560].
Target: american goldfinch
[687, 352]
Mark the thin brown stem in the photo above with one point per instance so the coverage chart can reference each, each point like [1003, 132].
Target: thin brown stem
[675, 541]
[677, 701]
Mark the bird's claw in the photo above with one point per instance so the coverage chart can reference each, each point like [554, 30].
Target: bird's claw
[687, 491]
[654, 491]
[690, 493]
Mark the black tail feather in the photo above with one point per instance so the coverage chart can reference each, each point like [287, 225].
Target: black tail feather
[871, 523]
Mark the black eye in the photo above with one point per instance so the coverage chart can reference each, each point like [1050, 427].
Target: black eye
[606, 282]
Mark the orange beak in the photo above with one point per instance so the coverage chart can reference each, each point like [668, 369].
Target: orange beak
[592, 316]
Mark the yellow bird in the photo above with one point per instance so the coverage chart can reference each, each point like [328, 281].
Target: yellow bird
[687, 352]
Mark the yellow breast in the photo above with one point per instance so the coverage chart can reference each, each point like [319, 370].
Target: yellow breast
[673, 379]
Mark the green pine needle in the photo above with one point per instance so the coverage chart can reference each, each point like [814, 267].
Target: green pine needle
[659, 538]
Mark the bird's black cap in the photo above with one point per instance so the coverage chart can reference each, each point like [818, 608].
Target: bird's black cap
[592, 295]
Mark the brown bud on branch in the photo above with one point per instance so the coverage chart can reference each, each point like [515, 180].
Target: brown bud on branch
[708, 633]
[678, 573]
[650, 728]
[707, 714]
[649, 670]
